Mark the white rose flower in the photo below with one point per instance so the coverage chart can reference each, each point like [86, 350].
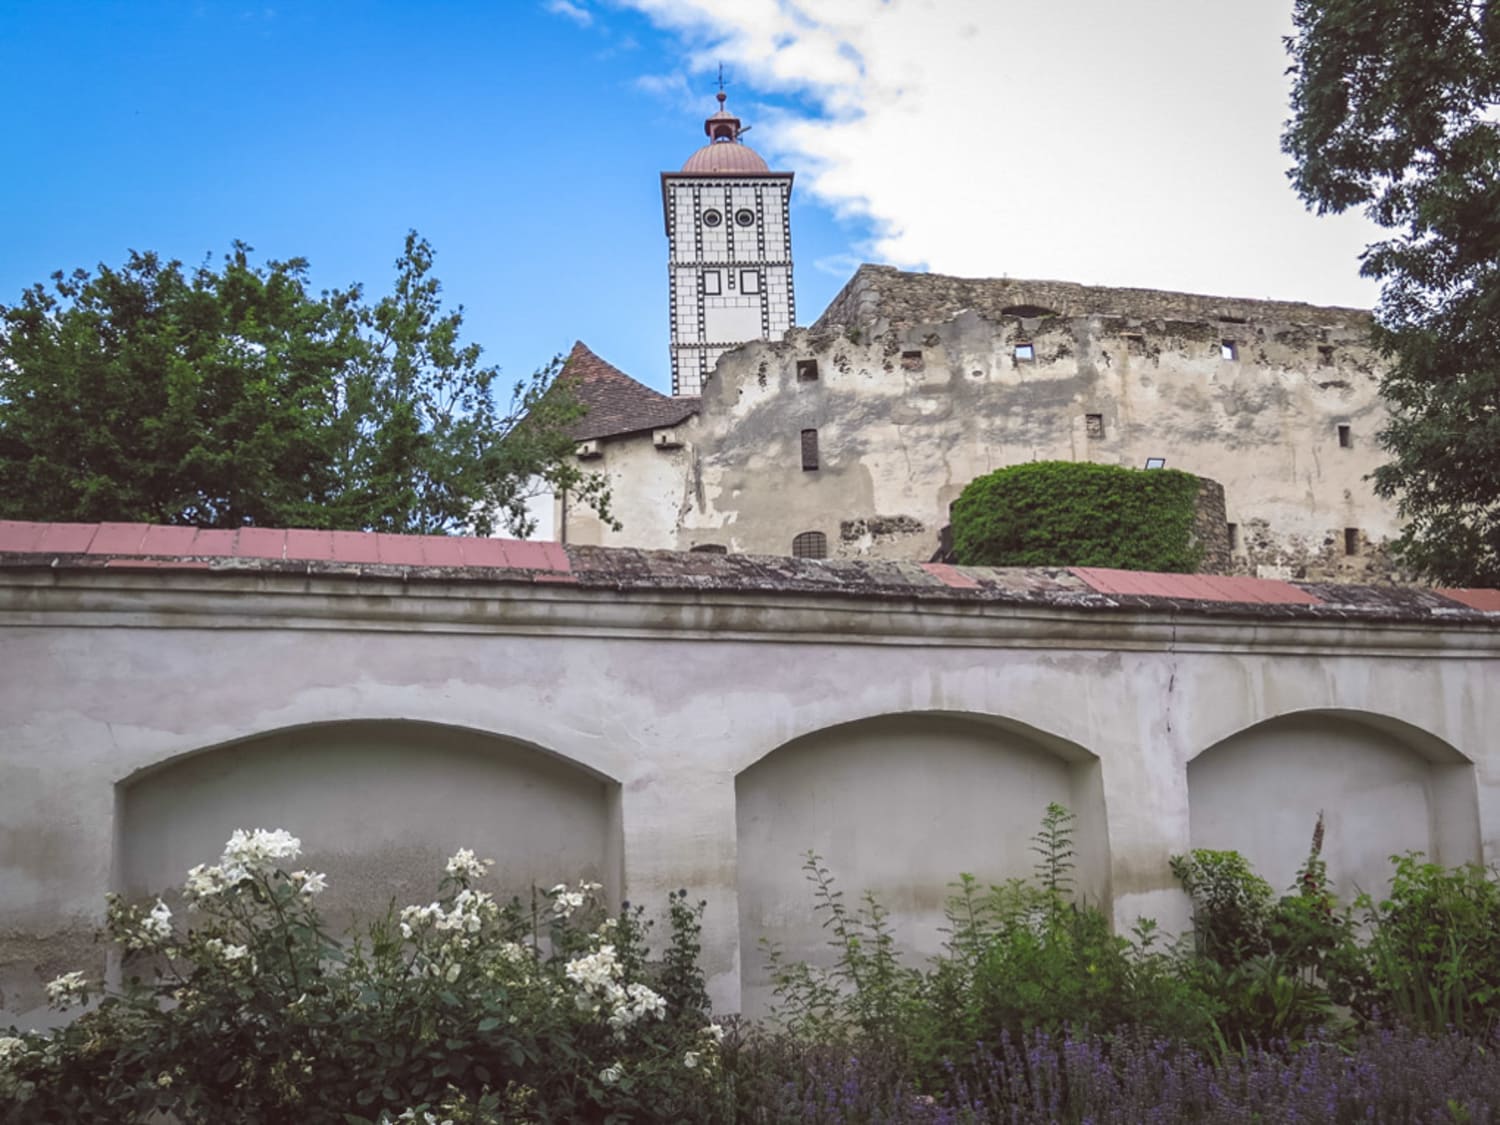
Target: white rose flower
[463, 864]
[612, 1074]
[690, 1060]
[10, 1047]
[67, 990]
[310, 882]
[157, 925]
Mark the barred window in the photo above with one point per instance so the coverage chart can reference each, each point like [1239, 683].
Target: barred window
[810, 545]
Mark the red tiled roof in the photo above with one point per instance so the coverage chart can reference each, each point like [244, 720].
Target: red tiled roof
[154, 545]
[1486, 600]
[617, 404]
[1194, 587]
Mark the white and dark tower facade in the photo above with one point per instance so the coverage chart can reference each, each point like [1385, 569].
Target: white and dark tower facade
[729, 246]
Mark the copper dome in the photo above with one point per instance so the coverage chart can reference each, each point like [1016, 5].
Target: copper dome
[725, 158]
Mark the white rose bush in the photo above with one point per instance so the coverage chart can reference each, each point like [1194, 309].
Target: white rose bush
[237, 1004]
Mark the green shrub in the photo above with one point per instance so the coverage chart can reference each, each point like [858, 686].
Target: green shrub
[1276, 968]
[1434, 948]
[1021, 959]
[1068, 513]
[464, 1008]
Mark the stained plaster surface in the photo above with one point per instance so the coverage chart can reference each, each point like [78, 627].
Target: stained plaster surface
[662, 720]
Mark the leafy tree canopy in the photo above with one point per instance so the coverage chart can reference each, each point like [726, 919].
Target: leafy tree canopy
[232, 396]
[1396, 109]
[1072, 513]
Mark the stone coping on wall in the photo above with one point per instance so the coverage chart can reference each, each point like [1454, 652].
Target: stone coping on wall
[62, 547]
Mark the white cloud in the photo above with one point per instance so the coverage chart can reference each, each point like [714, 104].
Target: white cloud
[575, 12]
[1120, 144]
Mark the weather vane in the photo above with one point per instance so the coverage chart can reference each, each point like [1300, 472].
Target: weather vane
[721, 78]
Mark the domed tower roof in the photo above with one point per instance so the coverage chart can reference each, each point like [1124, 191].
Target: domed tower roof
[724, 154]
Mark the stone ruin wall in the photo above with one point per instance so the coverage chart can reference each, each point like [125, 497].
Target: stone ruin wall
[919, 389]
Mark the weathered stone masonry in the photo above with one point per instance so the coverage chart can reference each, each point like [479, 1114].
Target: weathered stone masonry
[914, 384]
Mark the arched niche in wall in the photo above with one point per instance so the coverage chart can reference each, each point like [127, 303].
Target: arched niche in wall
[900, 805]
[378, 805]
[1384, 787]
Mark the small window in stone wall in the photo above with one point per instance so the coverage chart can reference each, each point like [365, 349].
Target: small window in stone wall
[1025, 353]
[1346, 437]
[807, 371]
[709, 549]
[1351, 540]
[749, 281]
[912, 361]
[810, 545]
[1228, 349]
[1093, 425]
[809, 450]
[1325, 355]
[711, 283]
[1234, 537]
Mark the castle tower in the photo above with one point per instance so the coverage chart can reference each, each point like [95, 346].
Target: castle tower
[729, 248]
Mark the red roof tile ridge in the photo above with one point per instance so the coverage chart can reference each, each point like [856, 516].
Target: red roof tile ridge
[177, 542]
[1194, 587]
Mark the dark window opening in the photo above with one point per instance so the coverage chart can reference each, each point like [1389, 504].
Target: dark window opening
[809, 450]
[1234, 537]
[810, 545]
[807, 371]
[912, 361]
[1093, 425]
[1228, 350]
[1027, 312]
[712, 218]
[744, 216]
[1325, 355]
[709, 549]
[1351, 540]
[1025, 353]
[1346, 436]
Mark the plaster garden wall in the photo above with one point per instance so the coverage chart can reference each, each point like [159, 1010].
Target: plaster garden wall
[705, 733]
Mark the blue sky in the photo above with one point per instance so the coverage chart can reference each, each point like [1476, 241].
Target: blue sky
[520, 143]
[1095, 142]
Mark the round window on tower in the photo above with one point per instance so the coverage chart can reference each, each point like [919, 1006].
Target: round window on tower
[712, 218]
[745, 217]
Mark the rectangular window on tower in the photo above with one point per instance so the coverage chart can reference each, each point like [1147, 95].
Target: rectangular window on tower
[749, 281]
[711, 283]
[809, 450]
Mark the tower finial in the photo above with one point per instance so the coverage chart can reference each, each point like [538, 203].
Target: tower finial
[721, 82]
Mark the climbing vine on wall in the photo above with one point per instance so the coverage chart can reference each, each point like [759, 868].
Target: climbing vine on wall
[1068, 513]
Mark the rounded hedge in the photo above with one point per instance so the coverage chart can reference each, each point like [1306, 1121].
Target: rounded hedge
[1071, 513]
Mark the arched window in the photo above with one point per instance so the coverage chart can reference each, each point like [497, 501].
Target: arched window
[810, 545]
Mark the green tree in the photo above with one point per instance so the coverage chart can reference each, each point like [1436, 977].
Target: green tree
[1394, 108]
[232, 396]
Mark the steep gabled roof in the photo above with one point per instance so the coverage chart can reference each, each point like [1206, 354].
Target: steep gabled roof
[617, 404]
